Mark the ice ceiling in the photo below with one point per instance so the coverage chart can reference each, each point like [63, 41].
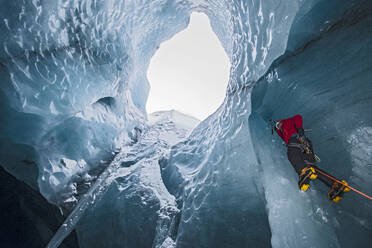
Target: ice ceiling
[73, 123]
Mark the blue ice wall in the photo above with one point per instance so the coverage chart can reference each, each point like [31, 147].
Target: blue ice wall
[73, 124]
[74, 77]
[73, 85]
[324, 74]
[328, 81]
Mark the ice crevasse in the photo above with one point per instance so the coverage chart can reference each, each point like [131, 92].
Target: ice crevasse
[73, 124]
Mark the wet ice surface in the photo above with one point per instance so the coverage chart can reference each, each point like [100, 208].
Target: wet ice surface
[73, 91]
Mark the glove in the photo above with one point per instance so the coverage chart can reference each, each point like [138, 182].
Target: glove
[301, 132]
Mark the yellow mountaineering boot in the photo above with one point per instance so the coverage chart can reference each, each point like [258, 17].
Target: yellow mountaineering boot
[307, 174]
[346, 189]
[337, 191]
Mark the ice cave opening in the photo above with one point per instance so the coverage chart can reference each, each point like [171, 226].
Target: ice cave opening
[189, 73]
[83, 166]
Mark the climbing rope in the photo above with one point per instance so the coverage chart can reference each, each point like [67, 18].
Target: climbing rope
[348, 186]
[317, 159]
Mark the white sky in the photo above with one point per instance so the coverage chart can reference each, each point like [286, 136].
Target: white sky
[189, 73]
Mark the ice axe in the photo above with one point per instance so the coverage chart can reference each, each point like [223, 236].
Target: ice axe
[272, 126]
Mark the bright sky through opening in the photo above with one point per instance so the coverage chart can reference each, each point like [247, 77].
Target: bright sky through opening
[189, 73]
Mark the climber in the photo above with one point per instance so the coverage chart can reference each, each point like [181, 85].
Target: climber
[302, 157]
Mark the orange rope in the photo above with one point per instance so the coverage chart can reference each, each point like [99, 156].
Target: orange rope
[361, 193]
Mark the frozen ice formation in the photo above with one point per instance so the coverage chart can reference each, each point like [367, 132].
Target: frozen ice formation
[73, 123]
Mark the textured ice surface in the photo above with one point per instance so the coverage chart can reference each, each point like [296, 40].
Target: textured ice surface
[73, 84]
[73, 91]
[131, 186]
[328, 80]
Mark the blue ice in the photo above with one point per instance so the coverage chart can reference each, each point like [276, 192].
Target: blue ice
[73, 123]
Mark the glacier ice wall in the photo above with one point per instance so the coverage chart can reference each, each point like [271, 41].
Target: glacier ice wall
[73, 91]
[328, 80]
[74, 85]
[73, 76]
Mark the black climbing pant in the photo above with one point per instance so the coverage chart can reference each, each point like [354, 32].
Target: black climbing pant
[300, 160]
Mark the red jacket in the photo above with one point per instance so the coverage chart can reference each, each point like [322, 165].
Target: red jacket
[289, 127]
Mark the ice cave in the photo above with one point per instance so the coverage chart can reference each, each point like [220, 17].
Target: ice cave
[83, 164]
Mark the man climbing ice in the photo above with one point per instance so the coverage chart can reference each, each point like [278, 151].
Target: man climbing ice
[302, 157]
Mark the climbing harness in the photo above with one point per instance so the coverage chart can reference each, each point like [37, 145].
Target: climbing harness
[307, 148]
[304, 146]
[297, 145]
